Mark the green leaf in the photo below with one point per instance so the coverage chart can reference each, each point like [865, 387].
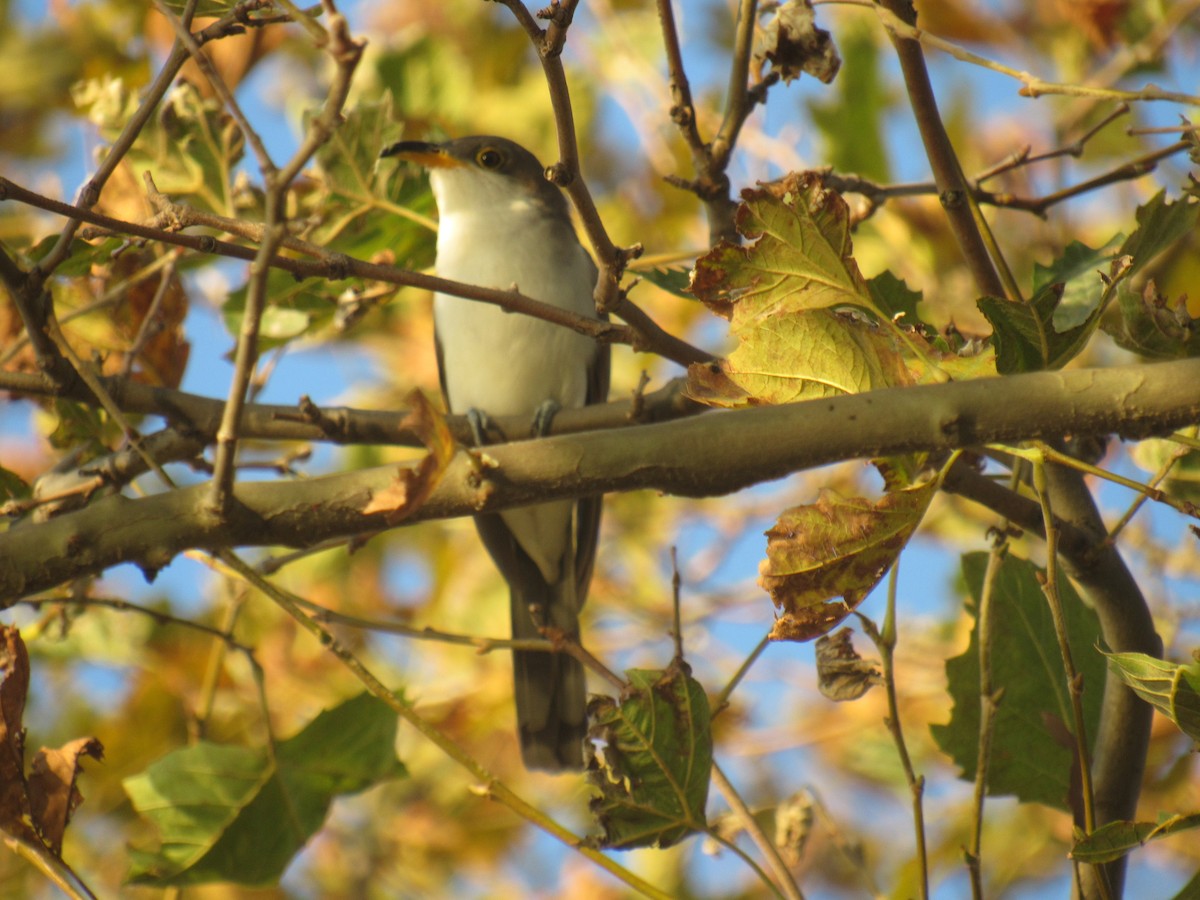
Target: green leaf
[799, 259]
[1025, 336]
[232, 814]
[1171, 688]
[12, 486]
[673, 279]
[1152, 326]
[894, 299]
[190, 147]
[295, 307]
[1114, 839]
[823, 559]
[786, 357]
[1161, 223]
[78, 424]
[1078, 271]
[654, 761]
[1028, 758]
[349, 161]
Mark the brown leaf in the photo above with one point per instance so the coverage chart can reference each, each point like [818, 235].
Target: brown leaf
[53, 797]
[841, 673]
[838, 547]
[14, 683]
[793, 44]
[164, 354]
[414, 483]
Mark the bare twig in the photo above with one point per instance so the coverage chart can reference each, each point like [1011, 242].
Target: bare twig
[953, 190]
[710, 160]
[233, 23]
[488, 783]
[1123, 735]
[198, 418]
[1032, 85]
[566, 172]
[150, 324]
[885, 641]
[49, 864]
[1164, 470]
[642, 333]
[783, 876]
[1075, 685]
[989, 702]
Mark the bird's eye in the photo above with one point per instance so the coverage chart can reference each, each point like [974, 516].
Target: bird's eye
[489, 158]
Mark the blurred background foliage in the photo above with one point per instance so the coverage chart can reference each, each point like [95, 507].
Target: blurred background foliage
[70, 76]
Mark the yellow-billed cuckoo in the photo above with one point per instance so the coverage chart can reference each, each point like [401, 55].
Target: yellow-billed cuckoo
[501, 223]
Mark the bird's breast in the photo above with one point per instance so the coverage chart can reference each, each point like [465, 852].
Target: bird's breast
[507, 363]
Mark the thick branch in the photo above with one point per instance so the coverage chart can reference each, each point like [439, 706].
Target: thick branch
[740, 448]
[1119, 755]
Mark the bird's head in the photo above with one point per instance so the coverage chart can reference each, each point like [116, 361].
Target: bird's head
[481, 172]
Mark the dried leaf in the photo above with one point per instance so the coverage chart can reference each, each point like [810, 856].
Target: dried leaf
[414, 483]
[793, 824]
[837, 547]
[53, 797]
[841, 673]
[792, 43]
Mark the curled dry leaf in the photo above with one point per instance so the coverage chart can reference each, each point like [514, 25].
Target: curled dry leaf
[793, 44]
[53, 796]
[841, 673]
[414, 483]
[793, 824]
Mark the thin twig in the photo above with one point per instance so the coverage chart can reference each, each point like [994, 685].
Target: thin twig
[49, 864]
[489, 785]
[953, 189]
[676, 584]
[566, 172]
[885, 641]
[989, 699]
[721, 701]
[150, 324]
[234, 22]
[345, 53]
[1033, 86]
[783, 875]
[1074, 679]
[1159, 476]
[1179, 504]
[219, 87]
[642, 333]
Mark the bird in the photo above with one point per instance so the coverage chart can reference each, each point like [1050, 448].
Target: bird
[502, 224]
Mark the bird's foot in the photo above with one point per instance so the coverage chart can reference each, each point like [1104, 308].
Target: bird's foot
[543, 417]
[479, 423]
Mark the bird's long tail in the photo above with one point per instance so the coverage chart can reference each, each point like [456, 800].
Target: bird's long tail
[550, 688]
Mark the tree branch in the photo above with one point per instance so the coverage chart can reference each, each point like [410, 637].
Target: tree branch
[741, 448]
[642, 334]
[197, 418]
